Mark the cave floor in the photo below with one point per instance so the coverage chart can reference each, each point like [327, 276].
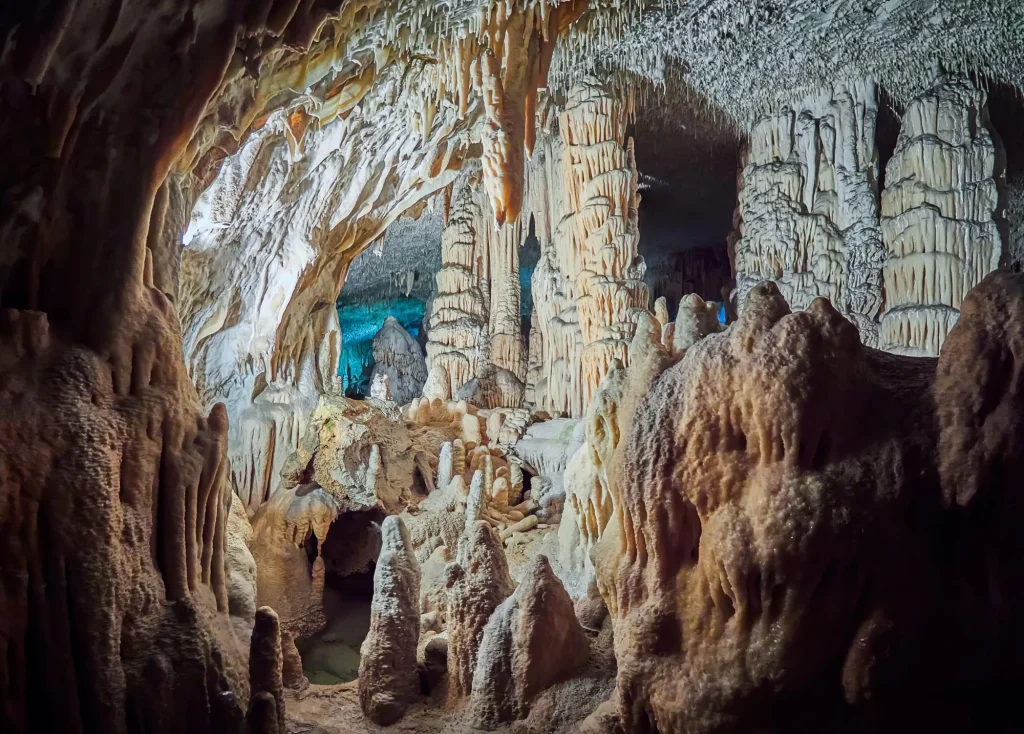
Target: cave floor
[331, 656]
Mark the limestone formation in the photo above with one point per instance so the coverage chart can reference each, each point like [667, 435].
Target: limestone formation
[588, 286]
[398, 357]
[753, 522]
[241, 568]
[380, 387]
[287, 580]
[531, 641]
[265, 667]
[457, 337]
[388, 677]
[477, 584]
[361, 455]
[808, 205]
[791, 531]
[474, 335]
[941, 215]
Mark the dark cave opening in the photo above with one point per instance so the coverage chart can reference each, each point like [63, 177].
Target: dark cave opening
[331, 655]
[529, 255]
[687, 186]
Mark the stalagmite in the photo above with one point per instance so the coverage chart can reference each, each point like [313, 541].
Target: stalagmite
[941, 215]
[531, 641]
[444, 465]
[695, 320]
[438, 384]
[476, 586]
[380, 387]
[265, 667]
[398, 358]
[388, 678]
[807, 205]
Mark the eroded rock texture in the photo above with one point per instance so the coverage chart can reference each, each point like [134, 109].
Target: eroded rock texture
[265, 257]
[808, 532]
[808, 205]
[457, 338]
[388, 677]
[474, 342]
[476, 586]
[941, 214]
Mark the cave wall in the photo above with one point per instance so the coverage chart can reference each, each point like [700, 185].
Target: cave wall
[266, 255]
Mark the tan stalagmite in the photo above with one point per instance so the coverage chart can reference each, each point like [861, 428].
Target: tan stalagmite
[476, 586]
[940, 214]
[531, 641]
[388, 679]
[807, 205]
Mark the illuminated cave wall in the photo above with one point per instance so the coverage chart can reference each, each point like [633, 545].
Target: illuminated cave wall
[359, 324]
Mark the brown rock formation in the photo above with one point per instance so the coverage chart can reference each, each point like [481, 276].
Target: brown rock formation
[265, 667]
[941, 214]
[388, 676]
[800, 526]
[531, 641]
[476, 587]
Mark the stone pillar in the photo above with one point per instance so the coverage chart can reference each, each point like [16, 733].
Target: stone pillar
[808, 205]
[940, 215]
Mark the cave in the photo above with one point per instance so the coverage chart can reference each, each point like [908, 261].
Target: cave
[331, 655]
[520, 366]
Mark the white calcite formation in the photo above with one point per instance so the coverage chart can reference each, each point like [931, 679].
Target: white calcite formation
[457, 337]
[474, 339]
[940, 215]
[808, 205]
[588, 285]
[398, 357]
[388, 677]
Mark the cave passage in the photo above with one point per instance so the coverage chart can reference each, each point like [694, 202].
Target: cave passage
[331, 655]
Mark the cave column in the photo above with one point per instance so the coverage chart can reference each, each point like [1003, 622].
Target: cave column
[598, 244]
[808, 212]
[940, 211]
[457, 336]
[505, 325]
